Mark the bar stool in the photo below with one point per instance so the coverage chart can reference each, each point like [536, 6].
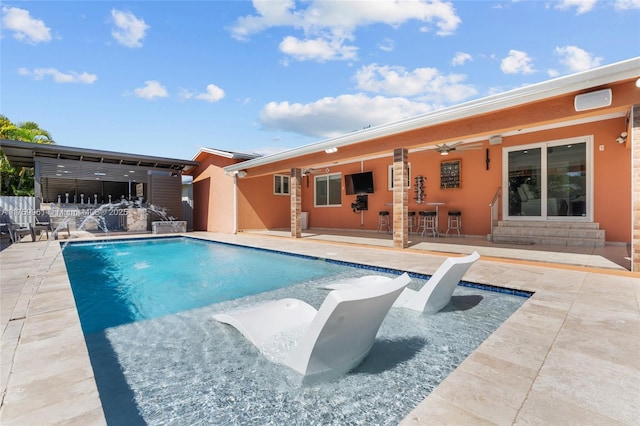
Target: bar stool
[455, 221]
[412, 221]
[427, 222]
[383, 220]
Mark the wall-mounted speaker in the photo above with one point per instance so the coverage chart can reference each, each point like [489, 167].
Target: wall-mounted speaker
[593, 100]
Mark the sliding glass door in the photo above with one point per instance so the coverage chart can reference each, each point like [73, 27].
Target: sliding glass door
[567, 180]
[525, 182]
[548, 181]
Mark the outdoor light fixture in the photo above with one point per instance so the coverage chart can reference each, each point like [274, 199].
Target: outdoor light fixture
[241, 173]
[444, 152]
[331, 150]
[622, 138]
[495, 140]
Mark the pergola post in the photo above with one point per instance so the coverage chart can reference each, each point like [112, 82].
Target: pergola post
[37, 185]
[296, 202]
[400, 199]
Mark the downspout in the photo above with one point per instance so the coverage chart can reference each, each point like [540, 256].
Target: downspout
[235, 203]
[235, 176]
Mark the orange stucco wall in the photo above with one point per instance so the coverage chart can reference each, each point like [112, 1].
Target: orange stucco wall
[213, 208]
[259, 208]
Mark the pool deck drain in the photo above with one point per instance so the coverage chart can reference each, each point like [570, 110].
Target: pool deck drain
[567, 356]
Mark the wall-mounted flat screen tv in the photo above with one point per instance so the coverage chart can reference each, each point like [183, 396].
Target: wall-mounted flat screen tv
[359, 183]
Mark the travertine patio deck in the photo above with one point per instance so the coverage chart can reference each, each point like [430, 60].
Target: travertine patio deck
[569, 355]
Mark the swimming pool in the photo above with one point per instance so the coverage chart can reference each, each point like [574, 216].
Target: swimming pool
[147, 278]
[185, 368]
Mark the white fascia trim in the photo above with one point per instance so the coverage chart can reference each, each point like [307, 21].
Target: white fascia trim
[535, 92]
[226, 154]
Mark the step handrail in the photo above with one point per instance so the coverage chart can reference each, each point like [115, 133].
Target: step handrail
[494, 208]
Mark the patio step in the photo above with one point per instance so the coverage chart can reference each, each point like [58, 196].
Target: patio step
[574, 234]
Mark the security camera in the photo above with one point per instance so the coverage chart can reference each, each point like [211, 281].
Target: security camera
[622, 138]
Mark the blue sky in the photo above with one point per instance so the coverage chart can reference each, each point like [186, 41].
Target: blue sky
[166, 78]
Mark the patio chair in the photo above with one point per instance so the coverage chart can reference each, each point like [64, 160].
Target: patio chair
[43, 219]
[436, 292]
[43, 223]
[15, 230]
[321, 344]
[5, 222]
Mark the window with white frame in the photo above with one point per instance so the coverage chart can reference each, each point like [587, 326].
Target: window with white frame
[328, 189]
[390, 177]
[281, 184]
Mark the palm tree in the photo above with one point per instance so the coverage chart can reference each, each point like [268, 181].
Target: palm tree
[19, 180]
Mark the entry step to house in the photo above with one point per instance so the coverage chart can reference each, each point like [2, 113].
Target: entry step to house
[576, 234]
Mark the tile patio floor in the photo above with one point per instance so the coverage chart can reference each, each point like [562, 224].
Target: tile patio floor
[569, 355]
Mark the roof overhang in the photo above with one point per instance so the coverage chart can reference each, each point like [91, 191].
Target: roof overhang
[575, 83]
[225, 154]
[24, 154]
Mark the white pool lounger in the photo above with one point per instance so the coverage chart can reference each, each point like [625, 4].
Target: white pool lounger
[327, 342]
[433, 296]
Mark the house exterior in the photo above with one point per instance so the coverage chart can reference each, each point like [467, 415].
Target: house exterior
[214, 192]
[562, 154]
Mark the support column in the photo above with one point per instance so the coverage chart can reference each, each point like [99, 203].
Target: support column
[400, 199]
[295, 188]
[634, 140]
[37, 185]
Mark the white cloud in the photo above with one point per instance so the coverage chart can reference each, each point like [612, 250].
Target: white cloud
[317, 49]
[330, 117]
[553, 72]
[627, 4]
[582, 6]
[58, 76]
[517, 62]
[387, 45]
[345, 16]
[24, 27]
[152, 89]
[461, 58]
[270, 14]
[576, 59]
[129, 30]
[185, 94]
[334, 116]
[424, 83]
[213, 94]
[327, 24]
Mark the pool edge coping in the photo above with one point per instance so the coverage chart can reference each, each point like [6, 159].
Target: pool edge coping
[538, 298]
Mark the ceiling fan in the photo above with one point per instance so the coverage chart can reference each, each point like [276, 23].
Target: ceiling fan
[311, 171]
[445, 149]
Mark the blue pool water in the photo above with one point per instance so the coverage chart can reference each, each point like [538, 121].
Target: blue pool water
[143, 279]
[180, 367]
